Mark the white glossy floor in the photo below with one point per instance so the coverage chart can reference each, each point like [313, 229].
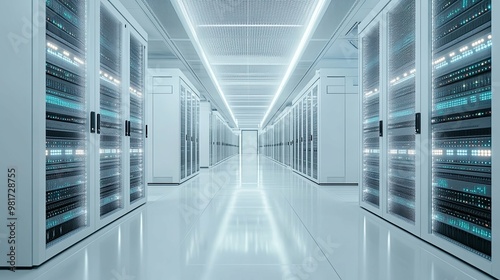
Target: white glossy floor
[251, 219]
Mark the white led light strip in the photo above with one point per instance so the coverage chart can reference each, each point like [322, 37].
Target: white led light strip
[296, 56]
[208, 67]
[249, 25]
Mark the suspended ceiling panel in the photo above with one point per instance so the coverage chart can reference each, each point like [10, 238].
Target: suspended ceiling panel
[249, 45]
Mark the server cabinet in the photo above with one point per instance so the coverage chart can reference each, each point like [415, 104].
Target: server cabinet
[402, 115]
[213, 131]
[372, 125]
[68, 214]
[326, 127]
[183, 133]
[391, 109]
[113, 124]
[189, 134]
[277, 139]
[137, 118]
[296, 136]
[211, 139]
[308, 135]
[324, 136]
[197, 136]
[462, 220]
[226, 141]
[53, 189]
[450, 185]
[300, 128]
[204, 135]
[120, 106]
[287, 137]
[172, 102]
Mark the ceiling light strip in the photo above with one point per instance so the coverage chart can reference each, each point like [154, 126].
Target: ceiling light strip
[249, 25]
[296, 56]
[204, 58]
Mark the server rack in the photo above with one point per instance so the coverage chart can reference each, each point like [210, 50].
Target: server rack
[455, 73]
[276, 139]
[401, 110]
[182, 135]
[372, 129]
[197, 136]
[296, 136]
[111, 166]
[137, 118]
[173, 111]
[391, 108]
[204, 134]
[120, 103]
[324, 128]
[225, 142]
[57, 145]
[314, 132]
[211, 138]
[462, 134]
[288, 137]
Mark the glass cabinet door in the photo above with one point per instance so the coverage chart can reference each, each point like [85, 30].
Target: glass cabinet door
[189, 131]
[461, 124]
[137, 64]
[301, 136]
[309, 133]
[371, 116]
[112, 122]
[197, 135]
[304, 135]
[67, 112]
[183, 133]
[401, 111]
[296, 138]
[315, 132]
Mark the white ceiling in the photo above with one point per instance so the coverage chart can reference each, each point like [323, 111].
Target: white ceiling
[248, 44]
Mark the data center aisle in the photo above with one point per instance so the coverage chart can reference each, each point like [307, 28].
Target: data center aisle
[251, 218]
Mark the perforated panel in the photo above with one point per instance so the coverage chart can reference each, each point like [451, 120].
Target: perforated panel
[249, 45]
[249, 11]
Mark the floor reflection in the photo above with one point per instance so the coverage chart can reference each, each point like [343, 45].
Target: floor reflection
[251, 218]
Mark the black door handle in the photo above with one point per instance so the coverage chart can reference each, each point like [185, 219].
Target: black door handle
[418, 123]
[92, 122]
[381, 128]
[129, 128]
[146, 131]
[98, 123]
[126, 128]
